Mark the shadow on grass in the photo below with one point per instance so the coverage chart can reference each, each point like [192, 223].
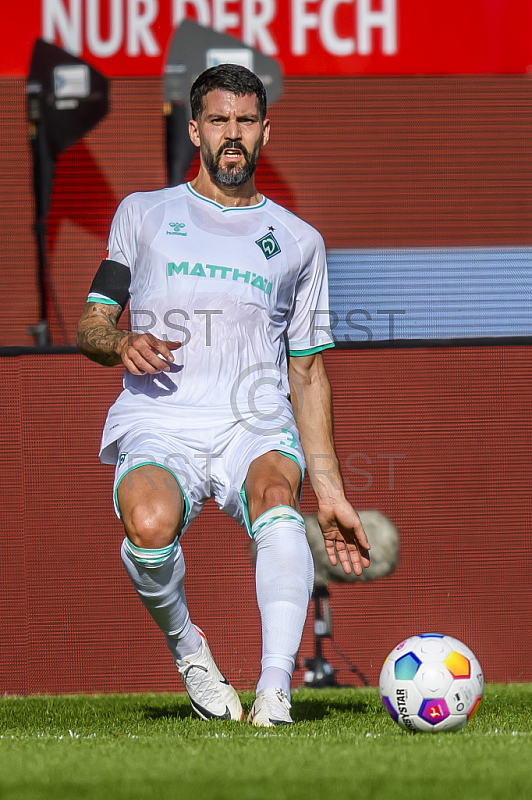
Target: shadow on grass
[305, 706]
[311, 709]
[169, 711]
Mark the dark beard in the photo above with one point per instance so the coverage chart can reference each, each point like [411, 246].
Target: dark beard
[232, 175]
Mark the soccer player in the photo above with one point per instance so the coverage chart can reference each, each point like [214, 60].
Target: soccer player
[225, 392]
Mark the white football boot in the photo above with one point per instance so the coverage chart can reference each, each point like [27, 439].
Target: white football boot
[271, 707]
[211, 695]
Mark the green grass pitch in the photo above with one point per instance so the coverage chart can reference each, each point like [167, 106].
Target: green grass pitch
[343, 745]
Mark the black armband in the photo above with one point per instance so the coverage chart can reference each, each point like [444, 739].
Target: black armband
[112, 280]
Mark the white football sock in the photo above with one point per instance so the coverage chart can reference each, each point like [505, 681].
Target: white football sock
[274, 678]
[284, 576]
[158, 577]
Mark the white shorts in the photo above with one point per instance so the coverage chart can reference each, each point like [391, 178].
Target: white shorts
[207, 462]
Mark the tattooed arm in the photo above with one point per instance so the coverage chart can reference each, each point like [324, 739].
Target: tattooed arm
[97, 335]
[99, 339]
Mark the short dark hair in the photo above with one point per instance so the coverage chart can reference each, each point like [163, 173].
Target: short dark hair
[231, 78]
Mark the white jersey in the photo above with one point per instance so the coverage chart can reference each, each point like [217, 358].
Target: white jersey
[238, 287]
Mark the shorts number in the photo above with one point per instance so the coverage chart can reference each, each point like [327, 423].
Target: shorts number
[289, 440]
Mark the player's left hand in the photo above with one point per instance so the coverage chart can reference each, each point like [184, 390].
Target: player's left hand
[344, 535]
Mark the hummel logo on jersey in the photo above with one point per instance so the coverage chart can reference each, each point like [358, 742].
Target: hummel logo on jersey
[269, 245]
[176, 229]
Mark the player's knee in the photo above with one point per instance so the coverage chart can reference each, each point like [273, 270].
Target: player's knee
[152, 525]
[278, 493]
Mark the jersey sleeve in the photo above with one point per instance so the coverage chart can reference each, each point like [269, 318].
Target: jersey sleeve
[120, 251]
[309, 328]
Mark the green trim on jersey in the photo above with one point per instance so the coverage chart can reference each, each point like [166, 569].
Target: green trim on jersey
[311, 351]
[225, 208]
[152, 464]
[244, 499]
[106, 301]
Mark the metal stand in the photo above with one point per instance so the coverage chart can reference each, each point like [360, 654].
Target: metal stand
[43, 176]
[319, 672]
[66, 98]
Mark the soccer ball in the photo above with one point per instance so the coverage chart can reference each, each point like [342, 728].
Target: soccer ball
[431, 683]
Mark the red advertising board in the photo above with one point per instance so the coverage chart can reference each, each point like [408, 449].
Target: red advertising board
[308, 37]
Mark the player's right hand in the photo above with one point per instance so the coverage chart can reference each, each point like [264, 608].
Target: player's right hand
[143, 353]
